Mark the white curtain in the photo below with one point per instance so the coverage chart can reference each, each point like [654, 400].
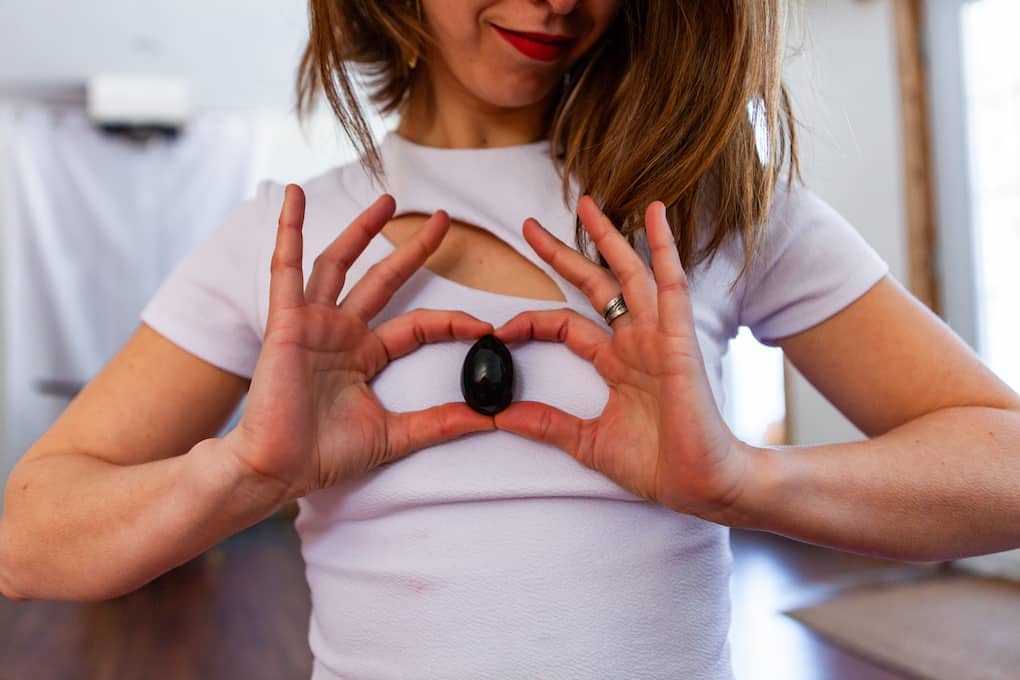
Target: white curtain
[90, 224]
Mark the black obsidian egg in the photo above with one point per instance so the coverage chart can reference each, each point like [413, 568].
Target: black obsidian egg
[487, 379]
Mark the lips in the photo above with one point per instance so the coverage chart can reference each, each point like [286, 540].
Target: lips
[541, 46]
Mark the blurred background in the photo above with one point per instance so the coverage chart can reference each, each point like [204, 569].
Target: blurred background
[128, 130]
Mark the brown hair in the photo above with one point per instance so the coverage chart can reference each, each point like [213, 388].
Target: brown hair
[680, 101]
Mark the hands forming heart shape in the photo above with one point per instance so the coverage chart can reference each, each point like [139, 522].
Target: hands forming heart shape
[312, 421]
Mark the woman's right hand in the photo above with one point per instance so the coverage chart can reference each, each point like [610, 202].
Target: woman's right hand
[311, 420]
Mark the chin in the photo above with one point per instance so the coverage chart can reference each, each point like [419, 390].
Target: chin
[512, 93]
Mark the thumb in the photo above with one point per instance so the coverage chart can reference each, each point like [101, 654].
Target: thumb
[409, 431]
[543, 422]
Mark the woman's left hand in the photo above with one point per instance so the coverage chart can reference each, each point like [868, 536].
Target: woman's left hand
[660, 434]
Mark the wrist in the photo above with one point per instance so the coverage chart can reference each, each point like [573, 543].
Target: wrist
[249, 492]
[751, 507]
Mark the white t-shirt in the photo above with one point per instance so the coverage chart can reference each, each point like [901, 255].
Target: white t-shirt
[494, 556]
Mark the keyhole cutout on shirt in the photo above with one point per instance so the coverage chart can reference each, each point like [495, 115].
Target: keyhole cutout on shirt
[474, 257]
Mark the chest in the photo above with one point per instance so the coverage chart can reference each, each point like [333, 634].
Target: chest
[476, 258]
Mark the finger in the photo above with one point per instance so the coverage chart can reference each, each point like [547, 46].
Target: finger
[545, 423]
[410, 330]
[330, 268]
[412, 430]
[632, 272]
[598, 285]
[583, 336]
[286, 281]
[675, 314]
[383, 278]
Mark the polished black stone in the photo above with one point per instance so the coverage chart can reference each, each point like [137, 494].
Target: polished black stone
[487, 378]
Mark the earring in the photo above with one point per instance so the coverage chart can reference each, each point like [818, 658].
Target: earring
[413, 61]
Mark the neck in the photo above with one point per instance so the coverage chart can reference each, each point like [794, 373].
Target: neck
[440, 112]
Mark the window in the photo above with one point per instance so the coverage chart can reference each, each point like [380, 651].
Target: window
[991, 70]
[974, 79]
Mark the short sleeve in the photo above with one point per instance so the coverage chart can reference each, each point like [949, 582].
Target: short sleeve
[812, 264]
[207, 304]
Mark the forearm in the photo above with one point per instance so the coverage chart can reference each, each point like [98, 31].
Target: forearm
[940, 487]
[79, 528]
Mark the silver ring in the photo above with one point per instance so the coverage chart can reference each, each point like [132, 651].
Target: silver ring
[614, 308]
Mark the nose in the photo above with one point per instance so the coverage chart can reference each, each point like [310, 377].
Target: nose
[563, 6]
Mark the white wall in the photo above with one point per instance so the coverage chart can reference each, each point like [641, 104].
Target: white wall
[237, 54]
[845, 90]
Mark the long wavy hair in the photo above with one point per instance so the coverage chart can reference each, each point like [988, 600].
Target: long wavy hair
[680, 101]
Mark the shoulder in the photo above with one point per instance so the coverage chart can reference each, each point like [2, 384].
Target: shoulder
[799, 224]
[796, 213]
[794, 210]
[810, 262]
[333, 198]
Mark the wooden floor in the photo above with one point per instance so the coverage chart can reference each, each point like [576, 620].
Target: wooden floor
[240, 612]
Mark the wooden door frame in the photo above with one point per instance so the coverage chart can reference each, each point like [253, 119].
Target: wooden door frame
[919, 190]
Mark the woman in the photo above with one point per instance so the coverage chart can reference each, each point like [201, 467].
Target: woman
[583, 530]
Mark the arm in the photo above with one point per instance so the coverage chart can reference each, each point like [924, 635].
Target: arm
[80, 528]
[104, 501]
[938, 478]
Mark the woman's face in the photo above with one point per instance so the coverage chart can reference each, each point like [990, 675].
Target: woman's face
[478, 46]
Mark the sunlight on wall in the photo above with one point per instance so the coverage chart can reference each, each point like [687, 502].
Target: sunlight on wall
[992, 77]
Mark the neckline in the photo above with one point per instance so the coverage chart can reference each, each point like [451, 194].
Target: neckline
[397, 139]
[415, 174]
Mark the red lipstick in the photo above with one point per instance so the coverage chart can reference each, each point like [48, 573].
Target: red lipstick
[541, 46]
